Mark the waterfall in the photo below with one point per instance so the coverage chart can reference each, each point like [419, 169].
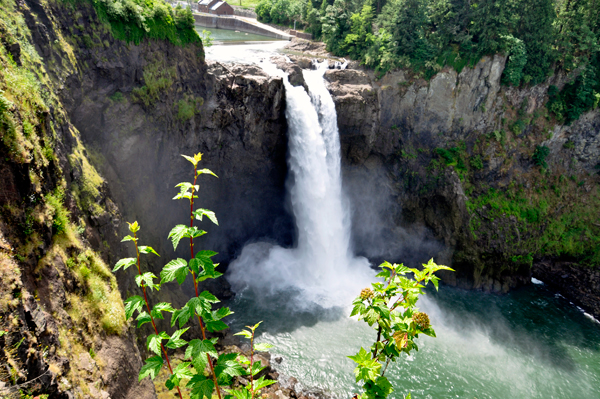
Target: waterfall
[321, 268]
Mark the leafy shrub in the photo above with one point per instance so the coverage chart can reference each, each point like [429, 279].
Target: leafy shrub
[188, 107]
[60, 215]
[157, 80]
[539, 156]
[389, 307]
[135, 20]
[518, 126]
[513, 72]
[476, 162]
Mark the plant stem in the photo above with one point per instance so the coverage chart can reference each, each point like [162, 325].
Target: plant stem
[386, 365]
[251, 365]
[143, 285]
[378, 339]
[212, 369]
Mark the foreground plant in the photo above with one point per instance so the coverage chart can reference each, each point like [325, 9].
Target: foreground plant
[206, 371]
[390, 308]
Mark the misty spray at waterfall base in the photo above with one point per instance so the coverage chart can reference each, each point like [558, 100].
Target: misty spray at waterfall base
[321, 269]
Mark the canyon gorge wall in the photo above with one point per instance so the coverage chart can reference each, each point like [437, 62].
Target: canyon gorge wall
[430, 168]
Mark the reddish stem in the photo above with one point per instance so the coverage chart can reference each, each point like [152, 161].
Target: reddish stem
[143, 285]
[251, 365]
[212, 369]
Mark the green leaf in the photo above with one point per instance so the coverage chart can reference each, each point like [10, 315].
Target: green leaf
[182, 315]
[176, 341]
[201, 387]
[180, 372]
[228, 366]
[176, 234]
[147, 279]
[200, 213]
[143, 318]
[188, 311]
[147, 250]
[134, 227]
[124, 263]
[206, 254]
[175, 269]
[240, 393]
[161, 307]
[367, 368]
[262, 347]
[222, 312]
[243, 359]
[151, 368]
[257, 367]
[194, 232]
[195, 265]
[205, 171]
[261, 383]
[192, 160]
[384, 385]
[153, 342]
[209, 270]
[132, 304]
[208, 297]
[200, 363]
[200, 304]
[429, 332]
[197, 347]
[359, 309]
[245, 333]
[213, 326]
[128, 238]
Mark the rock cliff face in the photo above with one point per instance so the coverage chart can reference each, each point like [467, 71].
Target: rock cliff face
[63, 331]
[431, 169]
[444, 151]
[114, 122]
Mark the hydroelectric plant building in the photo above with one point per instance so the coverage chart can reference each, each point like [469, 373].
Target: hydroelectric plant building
[205, 5]
[221, 8]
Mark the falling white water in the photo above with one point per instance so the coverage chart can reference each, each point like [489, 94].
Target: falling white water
[321, 268]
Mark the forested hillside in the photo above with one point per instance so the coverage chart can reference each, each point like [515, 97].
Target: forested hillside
[540, 37]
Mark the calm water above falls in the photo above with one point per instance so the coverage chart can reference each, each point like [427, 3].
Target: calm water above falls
[530, 343]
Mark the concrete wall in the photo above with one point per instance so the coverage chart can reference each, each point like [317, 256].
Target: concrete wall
[213, 21]
[243, 12]
[301, 35]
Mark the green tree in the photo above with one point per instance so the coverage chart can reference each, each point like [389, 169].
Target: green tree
[406, 21]
[361, 37]
[335, 26]
[535, 28]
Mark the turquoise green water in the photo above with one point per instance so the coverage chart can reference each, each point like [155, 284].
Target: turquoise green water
[528, 344]
[225, 35]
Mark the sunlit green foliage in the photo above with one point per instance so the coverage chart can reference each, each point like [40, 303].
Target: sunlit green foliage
[389, 307]
[135, 20]
[204, 371]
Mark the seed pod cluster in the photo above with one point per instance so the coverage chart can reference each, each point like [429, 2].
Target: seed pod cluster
[422, 320]
[366, 293]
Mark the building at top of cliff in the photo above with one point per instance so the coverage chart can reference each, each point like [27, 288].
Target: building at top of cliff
[205, 5]
[221, 8]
